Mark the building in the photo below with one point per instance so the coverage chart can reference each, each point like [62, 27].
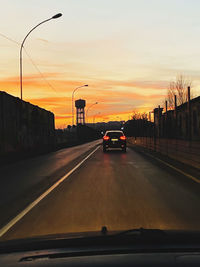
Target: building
[182, 123]
[23, 126]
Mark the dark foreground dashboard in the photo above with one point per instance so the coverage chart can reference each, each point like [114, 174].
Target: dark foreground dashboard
[137, 248]
[130, 259]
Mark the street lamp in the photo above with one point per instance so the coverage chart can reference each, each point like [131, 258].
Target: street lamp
[22, 44]
[73, 101]
[89, 108]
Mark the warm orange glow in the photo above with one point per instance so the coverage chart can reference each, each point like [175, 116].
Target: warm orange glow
[116, 99]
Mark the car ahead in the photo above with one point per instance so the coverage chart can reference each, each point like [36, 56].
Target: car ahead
[114, 139]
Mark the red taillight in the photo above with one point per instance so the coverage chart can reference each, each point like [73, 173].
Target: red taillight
[106, 138]
[123, 137]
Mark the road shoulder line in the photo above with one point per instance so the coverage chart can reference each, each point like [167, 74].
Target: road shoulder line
[172, 167]
[11, 223]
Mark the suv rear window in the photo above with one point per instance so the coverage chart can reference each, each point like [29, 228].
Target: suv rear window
[114, 134]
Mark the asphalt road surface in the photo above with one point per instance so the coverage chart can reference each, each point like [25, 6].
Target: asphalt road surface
[117, 190]
[23, 181]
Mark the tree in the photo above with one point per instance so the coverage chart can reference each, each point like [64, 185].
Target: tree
[139, 116]
[69, 127]
[178, 88]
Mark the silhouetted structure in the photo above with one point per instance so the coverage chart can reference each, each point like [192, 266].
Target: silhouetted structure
[139, 127]
[181, 123]
[24, 127]
[174, 133]
[27, 130]
[80, 111]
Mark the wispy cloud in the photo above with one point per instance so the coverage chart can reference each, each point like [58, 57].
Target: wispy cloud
[114, 96]
[42, 40]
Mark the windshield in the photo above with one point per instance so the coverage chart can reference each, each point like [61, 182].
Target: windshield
[99, 116]
[114, 134]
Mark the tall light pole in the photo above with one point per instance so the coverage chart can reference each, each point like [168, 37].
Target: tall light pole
[89, 108]
[22, 44]
[73, 101]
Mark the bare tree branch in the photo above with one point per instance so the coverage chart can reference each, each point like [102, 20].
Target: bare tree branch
[139, 116]
[178, 88]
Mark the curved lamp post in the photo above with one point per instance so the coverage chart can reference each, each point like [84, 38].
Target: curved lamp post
[54, 17]
[73, 101]
[89, 108]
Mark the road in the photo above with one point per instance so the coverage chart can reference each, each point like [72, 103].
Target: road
[22, 182]
[117, 190]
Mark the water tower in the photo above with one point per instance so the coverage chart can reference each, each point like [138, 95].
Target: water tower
[80, 111]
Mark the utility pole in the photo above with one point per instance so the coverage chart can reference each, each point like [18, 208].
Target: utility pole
[189, 115]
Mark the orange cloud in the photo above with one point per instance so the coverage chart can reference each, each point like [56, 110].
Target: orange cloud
[115, 98]
[45, 81]
[108, 104]
[42, 40]
[134, 84]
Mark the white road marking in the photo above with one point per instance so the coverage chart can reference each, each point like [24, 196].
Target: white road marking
[5, 228]
[176, 169]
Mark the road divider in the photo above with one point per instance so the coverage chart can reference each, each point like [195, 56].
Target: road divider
[11, 223]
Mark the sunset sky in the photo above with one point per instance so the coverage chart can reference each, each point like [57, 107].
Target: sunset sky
[127, 51]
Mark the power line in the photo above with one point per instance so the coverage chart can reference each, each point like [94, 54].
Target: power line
[8, 38]
[31, 60]
[42, 75]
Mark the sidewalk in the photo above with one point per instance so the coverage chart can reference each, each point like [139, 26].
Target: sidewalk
[180, 150]
[177, 163]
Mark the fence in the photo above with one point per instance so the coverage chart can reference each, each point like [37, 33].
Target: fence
[187, 152]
